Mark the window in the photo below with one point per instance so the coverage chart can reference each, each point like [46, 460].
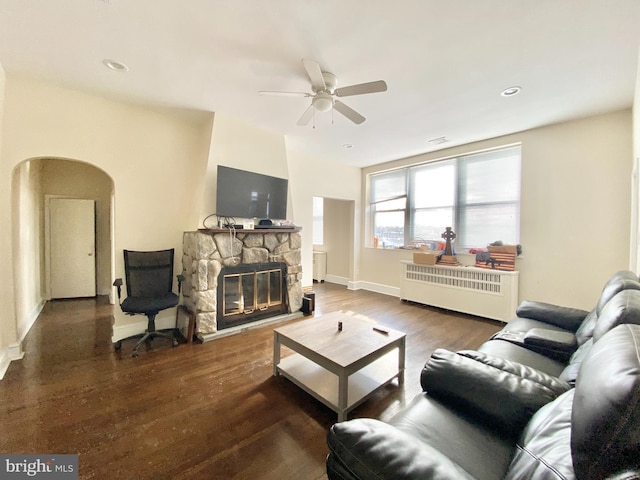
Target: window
[478, 195]
[389, 203]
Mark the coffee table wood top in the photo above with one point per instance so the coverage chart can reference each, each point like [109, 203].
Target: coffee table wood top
[355, 343]
[341, 368]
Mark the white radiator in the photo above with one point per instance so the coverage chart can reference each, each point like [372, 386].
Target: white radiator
[477, 291]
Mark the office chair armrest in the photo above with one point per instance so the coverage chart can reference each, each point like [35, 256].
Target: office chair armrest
[180, 280]
[118, 283]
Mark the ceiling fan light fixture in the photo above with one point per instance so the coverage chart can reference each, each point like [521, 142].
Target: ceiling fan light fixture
[322, 102]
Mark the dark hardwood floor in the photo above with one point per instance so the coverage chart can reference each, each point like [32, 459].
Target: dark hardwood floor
[210, 410]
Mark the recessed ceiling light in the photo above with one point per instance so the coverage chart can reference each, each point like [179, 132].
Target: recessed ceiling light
[511, 91]
[115, 65]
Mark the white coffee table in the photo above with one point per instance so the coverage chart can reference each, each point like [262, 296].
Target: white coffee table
[339, 368]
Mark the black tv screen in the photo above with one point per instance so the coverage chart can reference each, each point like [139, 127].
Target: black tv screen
[242, 194]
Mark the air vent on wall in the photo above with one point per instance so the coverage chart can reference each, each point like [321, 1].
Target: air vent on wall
[439, 140]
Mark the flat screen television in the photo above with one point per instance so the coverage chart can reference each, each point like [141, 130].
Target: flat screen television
[242, 194]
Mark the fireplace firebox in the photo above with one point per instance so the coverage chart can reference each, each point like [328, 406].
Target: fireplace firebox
[249, 292]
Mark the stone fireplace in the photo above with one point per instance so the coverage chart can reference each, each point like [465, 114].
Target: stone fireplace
[235, 279]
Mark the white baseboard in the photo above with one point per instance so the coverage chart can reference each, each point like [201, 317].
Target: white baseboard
[375, 287]
[31, 319]
[337, 279]
[12, 352]
[4, 363]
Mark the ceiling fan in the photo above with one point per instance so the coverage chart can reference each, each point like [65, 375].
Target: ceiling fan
[323, 85]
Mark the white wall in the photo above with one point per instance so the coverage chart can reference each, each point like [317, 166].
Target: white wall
[27, 243]
[239, 145]
[576, 197]
[312, 177]
[8, 326]
[156, 158]
[338, 238]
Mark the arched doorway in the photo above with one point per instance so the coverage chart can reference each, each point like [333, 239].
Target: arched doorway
[35, 182]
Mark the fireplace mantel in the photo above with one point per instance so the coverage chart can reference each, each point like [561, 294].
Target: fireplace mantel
[207, 251]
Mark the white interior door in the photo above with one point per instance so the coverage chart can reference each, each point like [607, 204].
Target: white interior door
[73, 240]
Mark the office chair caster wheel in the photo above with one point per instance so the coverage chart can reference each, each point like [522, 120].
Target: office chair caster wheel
[135, 354]
[174, 342]
[117, 346]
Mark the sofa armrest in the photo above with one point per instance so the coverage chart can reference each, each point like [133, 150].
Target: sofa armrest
[498, 392]
[365, 448]
[551, 339]
[563, 317]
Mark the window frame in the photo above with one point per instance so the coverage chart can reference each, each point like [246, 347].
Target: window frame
[459, 204]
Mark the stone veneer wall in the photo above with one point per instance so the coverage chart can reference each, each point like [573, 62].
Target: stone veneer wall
[207, 252]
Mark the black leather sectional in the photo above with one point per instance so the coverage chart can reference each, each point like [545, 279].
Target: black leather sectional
[554, 395]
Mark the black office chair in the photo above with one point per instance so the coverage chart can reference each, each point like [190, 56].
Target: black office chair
[149, 290]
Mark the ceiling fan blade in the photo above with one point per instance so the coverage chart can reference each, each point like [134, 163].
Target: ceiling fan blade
[348, 112]
[315, 74]
[284, 94]
[306, 116]
[369, 87]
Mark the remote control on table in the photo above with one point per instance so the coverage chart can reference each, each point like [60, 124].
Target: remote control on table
[380, 329]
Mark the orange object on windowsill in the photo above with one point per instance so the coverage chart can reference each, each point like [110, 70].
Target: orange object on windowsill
[375, 242]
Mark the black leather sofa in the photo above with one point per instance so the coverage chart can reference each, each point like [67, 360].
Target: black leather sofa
[554, 339]
[514, 411]
[482, 417]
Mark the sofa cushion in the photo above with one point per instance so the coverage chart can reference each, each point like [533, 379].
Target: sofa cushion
[570, 372]
[520, 354]
[619, 281]
[501, 393]
[483, 452]
[523, 324]
[543, 450]
[623, 308]
[370, 449]
[622, 280]
[605, 437]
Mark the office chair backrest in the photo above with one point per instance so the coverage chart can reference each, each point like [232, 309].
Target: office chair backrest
[149, 274]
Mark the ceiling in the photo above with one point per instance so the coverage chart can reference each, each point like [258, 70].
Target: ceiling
[445, 62]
